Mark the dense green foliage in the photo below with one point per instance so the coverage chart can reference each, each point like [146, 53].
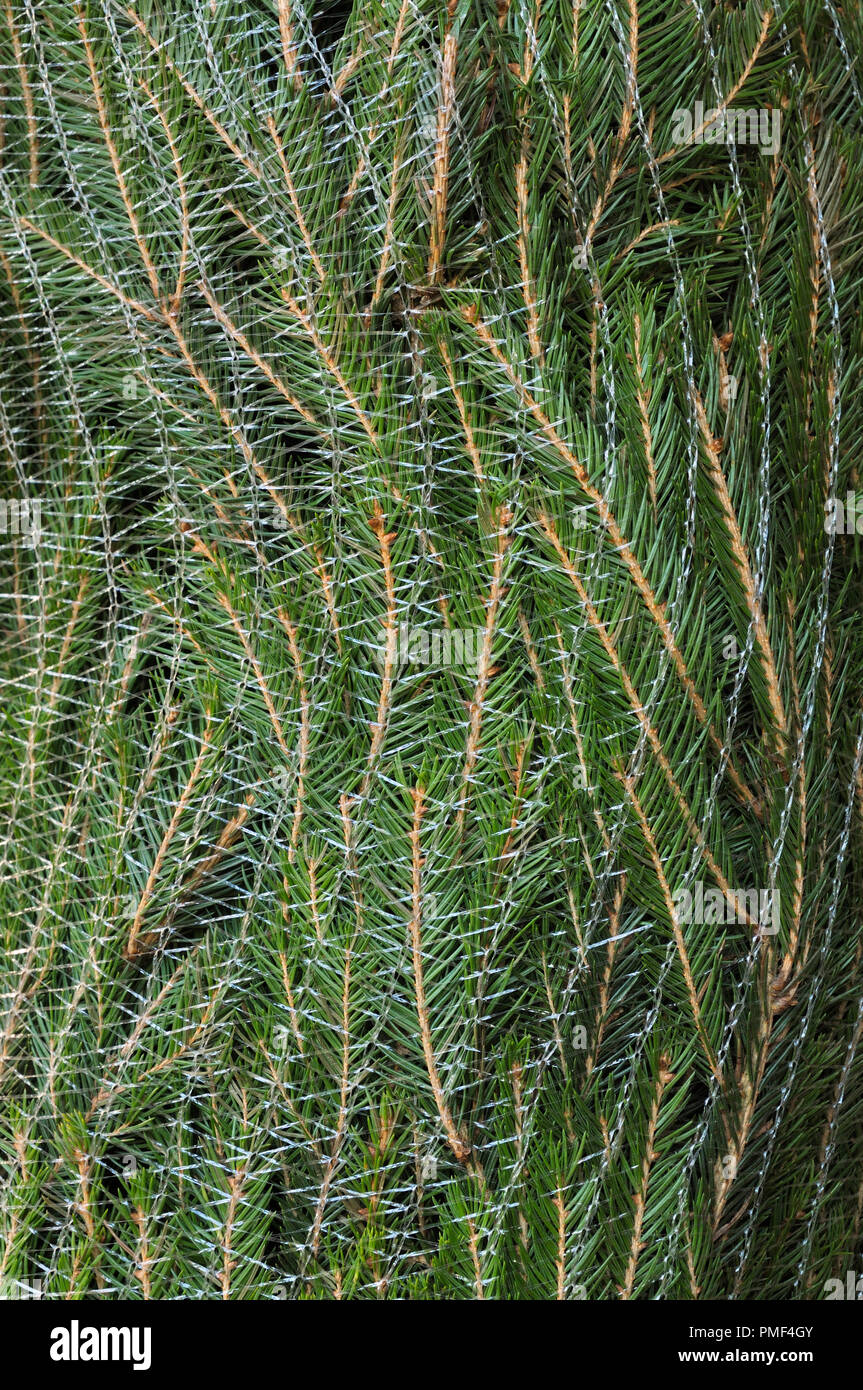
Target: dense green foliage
[336, 969]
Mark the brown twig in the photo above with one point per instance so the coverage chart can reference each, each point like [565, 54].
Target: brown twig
[240, 338]
[467, 428]
[713, 449]
[560, 1206]
[125, 196]
[638, 709]
[160, 51]
[385, 540]
[528, 288]
[236, 1184]
[640, 1197]
[26, 94]
[173, 305]
[680, 943]
[446, 107]
[182, 803]
[305, 727]
[295, 202]
[143, 1260]
[290, 53]
[106, 284]
[617, 540]
[726, 101]
[455, 1138]
[504, 518]
[624, 128]
[642, 396]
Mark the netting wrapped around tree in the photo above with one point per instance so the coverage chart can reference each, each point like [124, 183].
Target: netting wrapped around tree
[432, 735]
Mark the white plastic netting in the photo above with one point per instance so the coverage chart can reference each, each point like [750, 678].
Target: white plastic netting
[417, 597]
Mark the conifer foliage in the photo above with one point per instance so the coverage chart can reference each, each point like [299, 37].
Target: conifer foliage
[432, 739]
